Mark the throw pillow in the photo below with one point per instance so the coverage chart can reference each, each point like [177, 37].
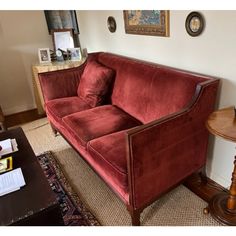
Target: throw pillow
[95, 83]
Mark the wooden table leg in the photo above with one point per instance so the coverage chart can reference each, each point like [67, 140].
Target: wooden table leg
[223, 206]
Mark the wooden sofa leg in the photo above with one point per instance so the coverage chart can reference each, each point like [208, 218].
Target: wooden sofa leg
[54, 131]
[135, 217]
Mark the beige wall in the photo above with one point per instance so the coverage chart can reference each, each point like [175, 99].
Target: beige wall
[211, 53]
[21, 34]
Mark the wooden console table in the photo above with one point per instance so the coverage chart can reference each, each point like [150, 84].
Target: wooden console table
[222, 206]
[41, 68]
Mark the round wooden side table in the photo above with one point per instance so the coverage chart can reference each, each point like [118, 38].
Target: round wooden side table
[222, 206]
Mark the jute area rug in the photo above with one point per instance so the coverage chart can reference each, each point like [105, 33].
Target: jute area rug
[180, 207]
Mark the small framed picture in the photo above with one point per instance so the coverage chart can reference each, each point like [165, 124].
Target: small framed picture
[194, 24]
[75, 54]
[44, 55]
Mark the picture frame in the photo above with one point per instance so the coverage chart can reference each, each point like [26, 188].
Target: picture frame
[147, 22]
[44, 55]
[111, 24]
[62, 39]
[194, 24]
[61, 19]
[75, 54]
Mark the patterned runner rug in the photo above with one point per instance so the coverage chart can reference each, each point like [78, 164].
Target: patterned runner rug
[73, 211]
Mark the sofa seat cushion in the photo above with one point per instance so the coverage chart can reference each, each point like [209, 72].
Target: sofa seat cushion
[95, 83]
[97, 122]
[109, 152]
[58, 108]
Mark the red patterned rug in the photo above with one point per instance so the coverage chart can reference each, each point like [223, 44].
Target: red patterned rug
[73, 211]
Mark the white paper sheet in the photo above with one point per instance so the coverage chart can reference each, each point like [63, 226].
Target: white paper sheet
[11, 181]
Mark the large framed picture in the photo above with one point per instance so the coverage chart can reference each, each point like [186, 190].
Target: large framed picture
[147, 22]
[44, 55]
[61, 19]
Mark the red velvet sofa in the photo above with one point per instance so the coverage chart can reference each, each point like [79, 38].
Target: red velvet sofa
[139, 125]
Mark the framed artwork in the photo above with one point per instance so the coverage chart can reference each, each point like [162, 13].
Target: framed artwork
[75, 54]
[62, 39]
[194, 24]
[147, 22]
[61, 19]
[111, 24]
[44, 55]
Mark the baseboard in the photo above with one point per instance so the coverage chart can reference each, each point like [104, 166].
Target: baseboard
[204, 190]
[22, 117]
[17, 109]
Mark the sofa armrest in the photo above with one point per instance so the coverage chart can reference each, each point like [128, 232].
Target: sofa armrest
[60, 83]
[164, 152]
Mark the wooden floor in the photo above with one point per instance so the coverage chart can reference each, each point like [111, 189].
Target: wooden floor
[204, 191]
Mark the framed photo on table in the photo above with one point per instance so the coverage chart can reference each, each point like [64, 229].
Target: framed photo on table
[62, 39]
[44, 55]
[75, 54]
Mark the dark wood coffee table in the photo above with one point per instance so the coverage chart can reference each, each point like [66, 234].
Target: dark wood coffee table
[35, 203]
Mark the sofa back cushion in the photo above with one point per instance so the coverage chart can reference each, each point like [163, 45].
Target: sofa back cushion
[149, 91]
[94, 84]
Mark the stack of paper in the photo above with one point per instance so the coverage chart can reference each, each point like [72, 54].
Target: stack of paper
[11, 181]
[8, 146]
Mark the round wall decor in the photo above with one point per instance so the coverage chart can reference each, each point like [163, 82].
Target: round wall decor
[111, 24]
[194, 24]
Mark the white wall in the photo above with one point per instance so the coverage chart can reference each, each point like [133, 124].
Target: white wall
[21, 34]
[212, 53]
